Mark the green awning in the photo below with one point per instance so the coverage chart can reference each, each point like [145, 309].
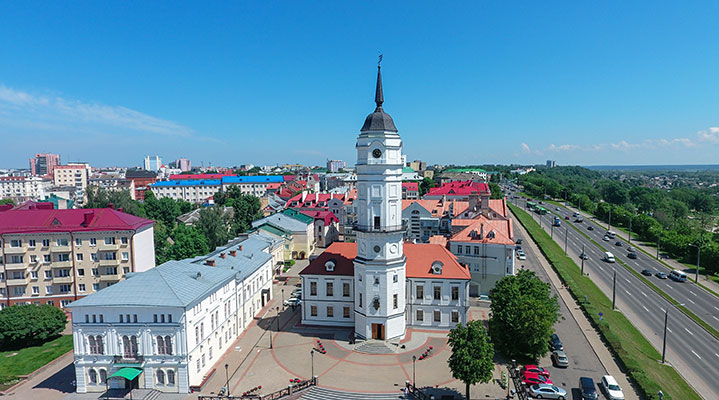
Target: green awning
[127, 373]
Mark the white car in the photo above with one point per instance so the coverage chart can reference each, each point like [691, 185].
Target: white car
[547, 391]
[610, 387]
[521, 256]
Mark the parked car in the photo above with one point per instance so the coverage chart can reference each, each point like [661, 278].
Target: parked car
[647, 272]
[293, 302]
[632, 255]
[555, 343]
[587, 389]
[618, 243]
[536, 369]
[547, 392]
[559, 359]
[661, 275]
[521, 256]
[611, 388]
[530, 379]
[518, 241]
[590, 228]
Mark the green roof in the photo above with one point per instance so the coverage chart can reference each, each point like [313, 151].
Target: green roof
[127, 373]
[464, 170]
[407, 170]
[275, 230]
[298, 216]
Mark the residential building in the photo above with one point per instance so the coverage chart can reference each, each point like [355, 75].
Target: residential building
[165, 329]
[459, 190]
[57, 256]
[326, 227]
[75, 175]
[551, 163]
[152, 163]
[182, 164]
[194, 191]
[22, 188]
[301, 226]
[142, 180]
[335, 165]
[44, 164]
[426, 218]
[255, 185]
[418, 165]
[410, 190]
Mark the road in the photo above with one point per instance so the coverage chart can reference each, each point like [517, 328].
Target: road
[692, 350]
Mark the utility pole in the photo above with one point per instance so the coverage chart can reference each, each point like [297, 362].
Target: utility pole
[566, 239]
[614, 290]
[551, 232]
[583, 255]
[630, 229]
[664, 344]
[659, 239]
[609, 224]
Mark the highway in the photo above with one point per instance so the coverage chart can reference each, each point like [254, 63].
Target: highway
[690, 349]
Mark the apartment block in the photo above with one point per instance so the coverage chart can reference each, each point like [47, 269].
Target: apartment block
[44, 163]
[50, 256]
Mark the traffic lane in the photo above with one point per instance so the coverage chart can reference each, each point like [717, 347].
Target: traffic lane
[582, 360]
[694, 355]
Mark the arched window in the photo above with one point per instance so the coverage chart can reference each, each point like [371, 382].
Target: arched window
[170, 377]
[99, 345]
[126, 347]
[103, 376]
[160, 345]
[160, 377]
[133, 346]
[168, 345]
[93, 376]
[91, 343]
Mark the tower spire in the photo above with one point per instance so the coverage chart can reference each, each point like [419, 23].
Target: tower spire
[379, 96]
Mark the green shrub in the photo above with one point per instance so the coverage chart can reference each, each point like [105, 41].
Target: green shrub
[22, 325]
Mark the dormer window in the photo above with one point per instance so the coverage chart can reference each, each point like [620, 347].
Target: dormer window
[330, 266]
[437, 267]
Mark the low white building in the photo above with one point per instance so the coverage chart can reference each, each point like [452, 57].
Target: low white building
[166, 328]
[21, 188]
[194, 191]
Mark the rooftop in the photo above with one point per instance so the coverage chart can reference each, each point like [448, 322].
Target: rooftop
[79, 220]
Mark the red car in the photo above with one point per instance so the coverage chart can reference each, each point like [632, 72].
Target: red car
[535, 369]
[530, 379]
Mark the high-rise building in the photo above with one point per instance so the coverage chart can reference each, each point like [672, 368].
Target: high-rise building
[152, 163]
[551, 163]
[183, 164]
[335, 165]
[44, 163]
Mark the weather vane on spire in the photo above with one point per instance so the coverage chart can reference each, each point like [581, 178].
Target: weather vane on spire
[380, 60]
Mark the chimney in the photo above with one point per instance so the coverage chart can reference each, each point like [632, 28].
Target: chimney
[481, 232]
[199, 275]
[304, 196]
[87, 218]
[210, 262]
[233, 253]
[110, 205]
[121, 209]
[240, 247]
[443, 199]
[222, 256]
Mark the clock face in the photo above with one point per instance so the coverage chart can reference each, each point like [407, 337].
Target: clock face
[376, 153]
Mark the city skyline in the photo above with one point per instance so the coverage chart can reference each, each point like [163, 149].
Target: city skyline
[497, 83]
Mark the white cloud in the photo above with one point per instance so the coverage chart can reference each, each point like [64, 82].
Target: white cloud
[710, 135]
[525, 148]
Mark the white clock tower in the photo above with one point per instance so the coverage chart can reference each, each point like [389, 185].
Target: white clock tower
[380, 263]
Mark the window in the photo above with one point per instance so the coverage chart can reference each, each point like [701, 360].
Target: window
[15, 243]
[81, 287]
[170, 377]
[33, 274]
[129, 346]
[96, 344]
[95, 272]
[64, 288]
[110, 255]
[438, 292]
[198, 365]
[78, 242]
[48, 289]
[455, 292]
[109, 240]
[437, 316]
[313, 311]
[16, 259]
[125, 270]
[313, 288]
[420, 292]
[48, 274]
[330, 289]
[394, 278]
[103, 376]
[93, 257]
[134, 318]
[377, 222]
[95, 287]
[330, 311]
[394, 300]
[160, 377]
[93, 376]
[459, 249]
[63, 257]
[455, 316]
[35, 290]
[346, 289]
[476, 250]
[46, 258]
[197, 334]
[123, 240]
[122, 318]
[467, 249]
[78, 256]
[346, 312]
[31, 243]
[33, 258]
[420, 315]
[110, 270]
[360, 300]
[125, 256]
[376, 280]
[61, 242]
[46, 243]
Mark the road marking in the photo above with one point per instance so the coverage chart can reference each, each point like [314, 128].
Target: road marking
[628, 281]
[628, 294]
[645, 309]
[600, 267]
[716, 354]
[643, 294]
[688, 331]
[696, 354]
[716, 308]
[670, 331]
[713, 316]
[692, 293]
[663, 310]
[691, 301]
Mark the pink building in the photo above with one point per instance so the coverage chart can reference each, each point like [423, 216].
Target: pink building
[44, 163]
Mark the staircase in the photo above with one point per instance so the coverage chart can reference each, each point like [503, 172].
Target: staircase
[318, 393]
[376, 347]
[153, 395]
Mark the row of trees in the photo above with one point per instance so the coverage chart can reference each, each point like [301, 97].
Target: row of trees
[680, 219]
[523, 314]
[174, 240]
[23, 325]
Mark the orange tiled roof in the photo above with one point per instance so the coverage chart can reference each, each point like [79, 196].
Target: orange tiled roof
[502, 229]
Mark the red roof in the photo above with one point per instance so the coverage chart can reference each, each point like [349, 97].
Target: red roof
[502, 229]
[420, 258]
[327, 216]
[198, 176]
[499, 206]
[313, 200]
[410, 186]
[43, 220]
[460, 188]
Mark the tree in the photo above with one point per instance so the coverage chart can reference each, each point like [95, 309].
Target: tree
[7, 201]
[98, 197]
[25, 324]
[472, 354]
[425, 186]
[246, 207]
[164, 209]
[188, 242]
[215, 225]
[523, 313]
[495, 191]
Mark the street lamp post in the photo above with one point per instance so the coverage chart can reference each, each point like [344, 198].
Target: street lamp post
[283, 299]
[659, 240]
[699, 249]
[614, 289]
[278, 318]
[312, 355]
[664, 343]
[583, 255]
[609, 223]
[414, 359]
[227, 378]
[566, 239]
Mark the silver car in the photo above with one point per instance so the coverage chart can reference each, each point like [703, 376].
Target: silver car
[559, 359]
[547, 391]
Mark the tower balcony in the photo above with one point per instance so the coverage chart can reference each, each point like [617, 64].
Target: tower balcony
[380, 229]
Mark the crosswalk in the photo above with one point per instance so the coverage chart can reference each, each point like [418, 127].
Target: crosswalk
[318, 393]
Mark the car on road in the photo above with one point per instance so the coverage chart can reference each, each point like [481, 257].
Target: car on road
[647, 272]
[632, 255]
[556, 208]
[531, 378]
[584, 256]
[547, 392]
[618, 243]
[590, 228]
[587, 390]
[535, 369]
[605, 238]
[566, 217]
[518, 241]
[611, 388]
[293, 302]
[555, 343]
[521, 256]
[630, 249]
[661, 275]
[559, 359]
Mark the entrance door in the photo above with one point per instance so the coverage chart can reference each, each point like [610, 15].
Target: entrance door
[474, 290]
[378, 331]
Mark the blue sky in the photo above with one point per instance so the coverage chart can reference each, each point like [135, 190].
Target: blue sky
[277, 82]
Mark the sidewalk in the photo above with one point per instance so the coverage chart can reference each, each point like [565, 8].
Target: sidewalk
[605, 357]
[651, 250]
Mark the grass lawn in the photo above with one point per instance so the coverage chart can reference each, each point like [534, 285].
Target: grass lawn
[640, 359]
[29, 359]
